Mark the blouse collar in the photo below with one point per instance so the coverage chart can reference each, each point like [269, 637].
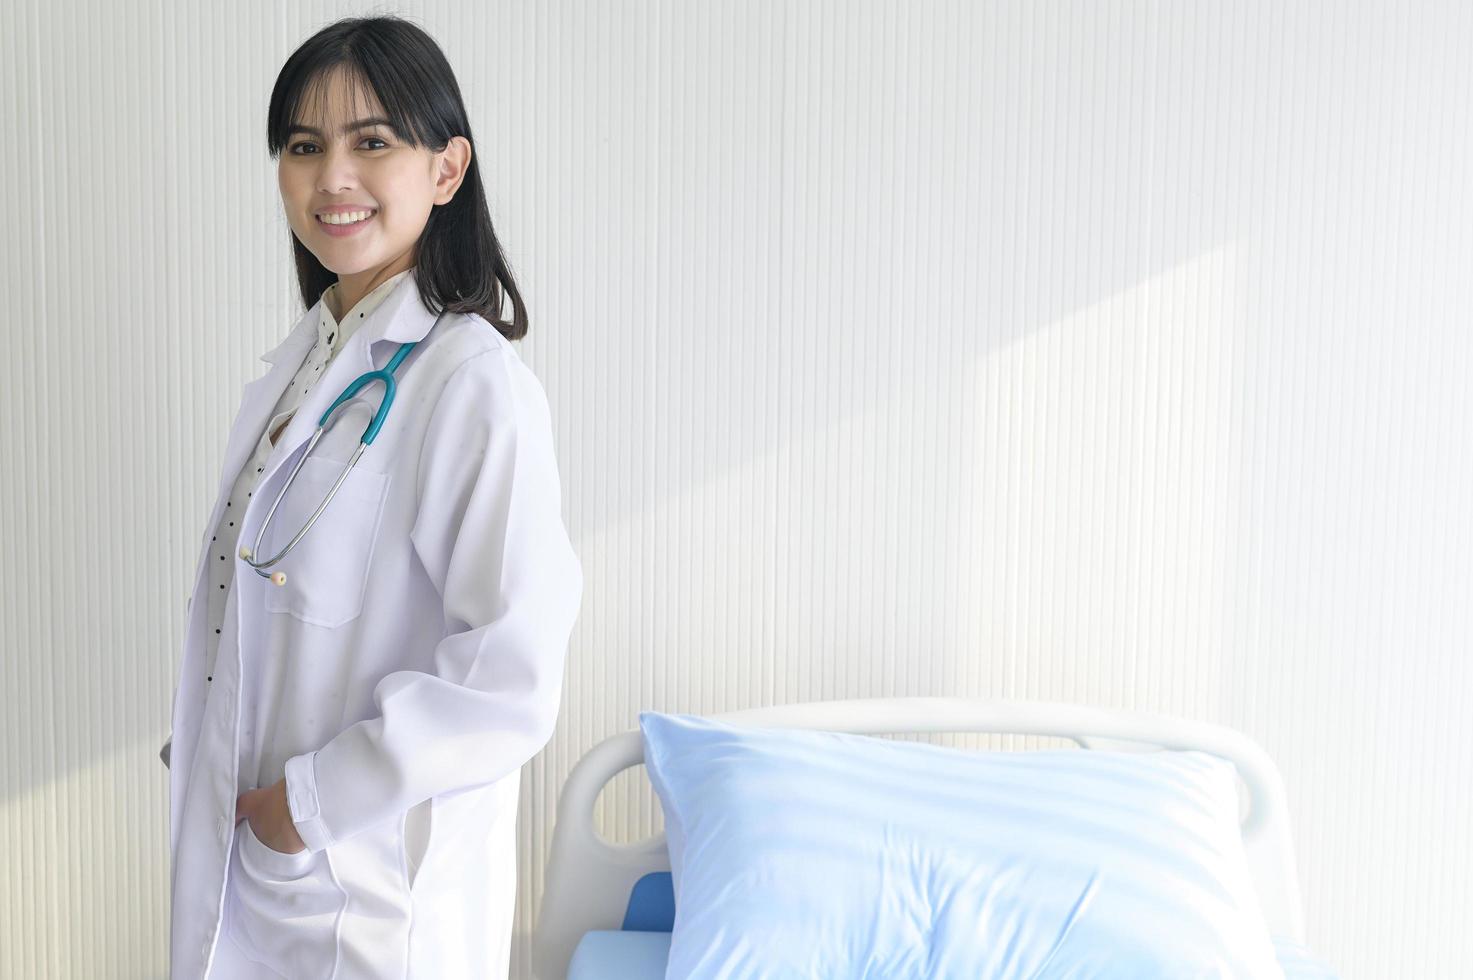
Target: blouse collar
[328, 332]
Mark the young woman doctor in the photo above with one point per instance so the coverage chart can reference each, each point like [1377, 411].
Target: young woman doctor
[350, 723]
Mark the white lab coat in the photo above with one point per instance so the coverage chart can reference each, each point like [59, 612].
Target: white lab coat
[413, 662]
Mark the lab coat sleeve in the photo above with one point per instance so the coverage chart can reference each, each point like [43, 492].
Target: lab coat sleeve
[490, 534]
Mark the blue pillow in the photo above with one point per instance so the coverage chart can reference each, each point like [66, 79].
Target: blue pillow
[818, 854]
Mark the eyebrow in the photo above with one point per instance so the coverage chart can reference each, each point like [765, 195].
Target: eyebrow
[351, 127]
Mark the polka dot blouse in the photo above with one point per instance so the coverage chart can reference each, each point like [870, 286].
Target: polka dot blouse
[330, 339]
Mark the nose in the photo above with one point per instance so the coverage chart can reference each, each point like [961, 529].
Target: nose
[336, 173]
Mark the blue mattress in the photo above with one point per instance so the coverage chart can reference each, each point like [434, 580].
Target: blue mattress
[613, 954]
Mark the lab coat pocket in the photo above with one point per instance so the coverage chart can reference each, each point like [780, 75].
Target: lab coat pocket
[327, 571]
[286, 907]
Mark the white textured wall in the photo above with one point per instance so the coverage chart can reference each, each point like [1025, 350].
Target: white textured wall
[1111, 352]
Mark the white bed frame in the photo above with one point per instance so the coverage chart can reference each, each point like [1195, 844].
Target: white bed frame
[589, 878]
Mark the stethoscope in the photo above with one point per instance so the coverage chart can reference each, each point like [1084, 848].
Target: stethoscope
[386, 375]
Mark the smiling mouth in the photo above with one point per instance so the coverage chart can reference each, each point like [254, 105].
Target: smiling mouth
[345, 224]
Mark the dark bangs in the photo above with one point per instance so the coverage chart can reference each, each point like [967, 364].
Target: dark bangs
[459, 264]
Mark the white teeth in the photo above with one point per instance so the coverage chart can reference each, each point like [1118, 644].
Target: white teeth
[346, 218]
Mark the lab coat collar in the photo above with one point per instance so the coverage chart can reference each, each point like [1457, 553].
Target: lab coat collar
[302, 336]
[400, 318]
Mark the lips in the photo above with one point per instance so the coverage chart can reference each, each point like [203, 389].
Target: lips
[341, 231]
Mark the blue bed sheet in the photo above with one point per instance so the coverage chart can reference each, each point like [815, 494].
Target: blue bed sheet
[635, 955]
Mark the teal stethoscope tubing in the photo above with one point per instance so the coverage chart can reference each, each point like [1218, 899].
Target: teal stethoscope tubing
[386, 375]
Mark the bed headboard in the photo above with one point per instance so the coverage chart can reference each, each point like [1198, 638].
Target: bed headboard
[589, 879]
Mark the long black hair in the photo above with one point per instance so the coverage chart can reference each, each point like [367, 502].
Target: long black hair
[458, 265]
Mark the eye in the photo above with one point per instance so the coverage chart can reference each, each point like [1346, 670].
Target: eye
[295, 146]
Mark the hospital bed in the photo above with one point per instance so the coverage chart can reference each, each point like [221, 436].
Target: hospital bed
[608, 908]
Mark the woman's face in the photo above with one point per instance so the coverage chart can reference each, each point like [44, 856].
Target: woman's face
[325, 164]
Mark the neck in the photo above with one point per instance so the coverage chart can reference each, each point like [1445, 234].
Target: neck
[352, 288]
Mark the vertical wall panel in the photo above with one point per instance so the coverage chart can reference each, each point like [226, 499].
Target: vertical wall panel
[1105, 352]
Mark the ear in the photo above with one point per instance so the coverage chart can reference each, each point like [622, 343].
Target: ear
[454, 161]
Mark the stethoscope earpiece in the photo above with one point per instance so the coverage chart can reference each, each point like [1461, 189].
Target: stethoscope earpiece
[279, 578]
